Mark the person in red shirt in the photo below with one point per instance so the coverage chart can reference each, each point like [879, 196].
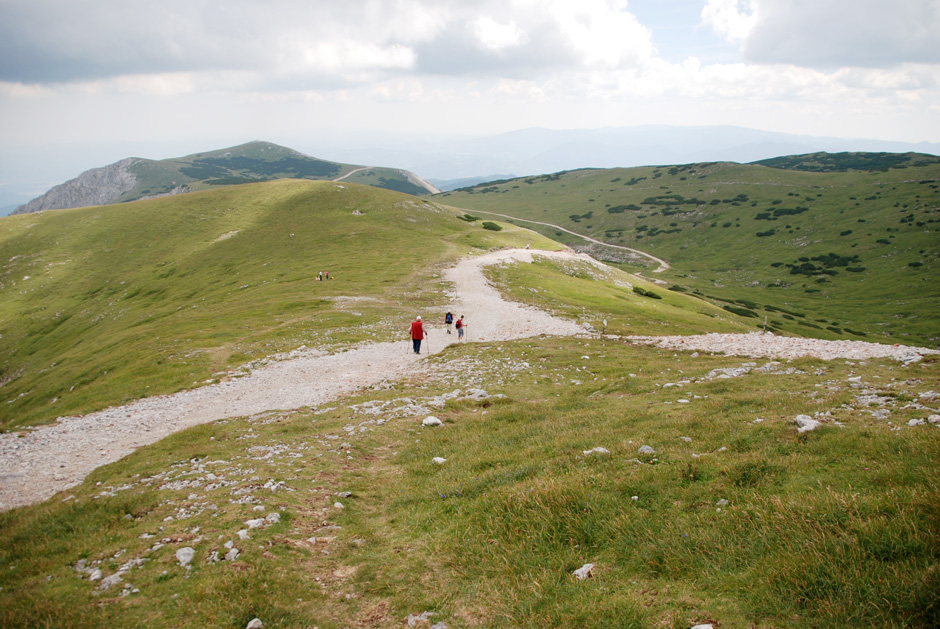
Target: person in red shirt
[417, 334]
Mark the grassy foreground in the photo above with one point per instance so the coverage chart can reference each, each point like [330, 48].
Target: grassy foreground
[735, 519]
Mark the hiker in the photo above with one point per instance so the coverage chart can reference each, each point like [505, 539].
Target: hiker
[320, 276]
[460, 325]
[327, 275]
[417, 334]
[448, 320]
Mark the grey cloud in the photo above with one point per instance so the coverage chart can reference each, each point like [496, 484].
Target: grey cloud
[828, 34]
[60, 41]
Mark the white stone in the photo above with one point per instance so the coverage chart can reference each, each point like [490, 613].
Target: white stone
[185, 555]
[584, 571]
[431, 420]
[721, 503]
[703, 627]
[686, 439]
[338, 505]
[646, 450]
[597, 450]
[95, 575]
[255, 624]
[107, 582]
[805, 423]
[916, 422]
[934, 419]
[439, 460]
[232, 555]
[253, 524]
[243, 535]
[273, 518]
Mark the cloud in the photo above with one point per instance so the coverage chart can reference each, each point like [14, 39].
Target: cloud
[829, 34]
[314, 43]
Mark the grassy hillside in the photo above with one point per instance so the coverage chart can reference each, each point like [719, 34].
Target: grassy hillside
[840, 253]
[102, 305]
[251, 163]
[99, 306]
[735, 519]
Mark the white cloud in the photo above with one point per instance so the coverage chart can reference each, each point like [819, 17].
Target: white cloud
[496, 36]
[732, 19]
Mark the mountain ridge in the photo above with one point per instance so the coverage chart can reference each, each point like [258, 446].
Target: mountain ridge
[135, 178]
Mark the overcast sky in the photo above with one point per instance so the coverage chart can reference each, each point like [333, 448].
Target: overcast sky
[203, 74]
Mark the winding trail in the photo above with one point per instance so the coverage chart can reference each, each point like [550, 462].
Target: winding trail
[663, 265]
[34, 465]
[37, 464]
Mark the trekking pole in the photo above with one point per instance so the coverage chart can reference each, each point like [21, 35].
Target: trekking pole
[427, 340]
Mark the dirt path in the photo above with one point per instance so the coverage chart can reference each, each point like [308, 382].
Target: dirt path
[663, 265]
[36, 464]
[51, 458]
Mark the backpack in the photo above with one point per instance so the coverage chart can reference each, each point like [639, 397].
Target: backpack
[448, 318]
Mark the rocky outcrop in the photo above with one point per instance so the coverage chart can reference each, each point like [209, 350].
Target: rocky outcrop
[98, 186]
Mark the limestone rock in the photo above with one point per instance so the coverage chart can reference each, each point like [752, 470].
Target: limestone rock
[646, 450]
[805, 423]
[584, 571]
[431, 420]
[185, 555]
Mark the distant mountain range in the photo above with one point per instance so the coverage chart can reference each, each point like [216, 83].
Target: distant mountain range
[445, 162]
[132, 178]
[536, 151]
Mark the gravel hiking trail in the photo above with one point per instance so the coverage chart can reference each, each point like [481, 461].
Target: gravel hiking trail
[37, 463]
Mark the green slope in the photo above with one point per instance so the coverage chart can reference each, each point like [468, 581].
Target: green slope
[103, 305]
[251, 163]
[842, 254]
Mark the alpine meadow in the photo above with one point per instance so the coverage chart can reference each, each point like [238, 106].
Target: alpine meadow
[602, 478]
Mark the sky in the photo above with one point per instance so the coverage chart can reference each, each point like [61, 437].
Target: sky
[86, 83]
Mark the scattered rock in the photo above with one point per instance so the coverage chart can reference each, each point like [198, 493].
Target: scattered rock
[338, 505]
[805, 423]
[414, 619]
[686, 439]
[255, 624]
[934, 419]
[108, 582]
[708, 626]
[597, 450]
[584, 571]
[231, 555]
[431, 420]
[917, 422]
[439, 460]
[721, 503]
[185, 555]
[646, 450]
